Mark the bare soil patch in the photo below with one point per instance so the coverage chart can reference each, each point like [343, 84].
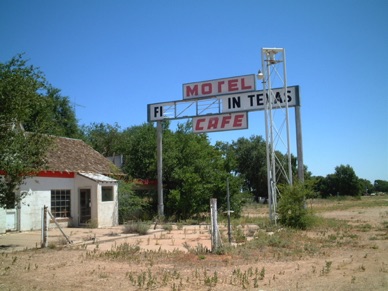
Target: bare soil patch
[348, 252]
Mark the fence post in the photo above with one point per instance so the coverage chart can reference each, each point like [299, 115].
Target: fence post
[44, 227]
[228, 205]
[214, 225]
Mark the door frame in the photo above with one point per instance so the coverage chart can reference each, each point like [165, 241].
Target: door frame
[80, 214]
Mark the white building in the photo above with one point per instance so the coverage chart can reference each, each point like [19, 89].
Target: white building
[77, 188]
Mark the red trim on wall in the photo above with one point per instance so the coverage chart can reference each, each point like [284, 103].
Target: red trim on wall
[51, 174]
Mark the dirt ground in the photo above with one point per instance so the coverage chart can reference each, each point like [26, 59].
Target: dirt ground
[349, 252]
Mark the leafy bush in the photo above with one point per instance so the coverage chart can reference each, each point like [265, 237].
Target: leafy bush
[292, 209]
[92, 223]
[131, 206]
[167, 227]
[139, 227]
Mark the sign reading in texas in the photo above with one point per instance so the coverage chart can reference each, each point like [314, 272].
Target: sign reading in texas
[253, 101]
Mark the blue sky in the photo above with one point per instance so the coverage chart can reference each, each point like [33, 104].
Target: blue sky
[115, 57]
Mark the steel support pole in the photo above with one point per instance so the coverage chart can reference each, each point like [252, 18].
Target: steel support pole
[287, 119]
[267, 135]
[228, 206]
[159, 140]
[299, 144]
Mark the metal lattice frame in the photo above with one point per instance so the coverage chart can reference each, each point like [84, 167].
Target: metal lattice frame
[276, 123]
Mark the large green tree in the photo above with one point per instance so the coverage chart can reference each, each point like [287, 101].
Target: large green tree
[366, 186]
[58, 114]
[347, 182]
[30, 111]
[139, 149]
[247, 157]
[194, 173]
[381, 186]
[343, 182]
[104, 138]
[193, 169]
[28, 99]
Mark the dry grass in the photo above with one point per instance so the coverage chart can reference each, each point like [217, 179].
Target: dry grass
[335, 253]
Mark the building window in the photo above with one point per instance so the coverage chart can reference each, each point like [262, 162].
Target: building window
[106, 193]
[60, 203]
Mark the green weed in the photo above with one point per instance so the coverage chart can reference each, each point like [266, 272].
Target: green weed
[138, 227]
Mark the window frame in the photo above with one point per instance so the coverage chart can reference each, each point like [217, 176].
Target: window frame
[104, 197]
[61, 203]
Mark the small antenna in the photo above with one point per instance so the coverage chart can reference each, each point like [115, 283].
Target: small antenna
[76, 104]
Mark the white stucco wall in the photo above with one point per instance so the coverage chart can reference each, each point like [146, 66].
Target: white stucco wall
[107, 210]
[2, 220]
[39, 189]
[105, 214]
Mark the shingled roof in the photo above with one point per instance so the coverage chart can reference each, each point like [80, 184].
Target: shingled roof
[74, 155]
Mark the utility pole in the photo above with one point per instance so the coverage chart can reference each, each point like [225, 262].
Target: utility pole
[228, 210]
[299, 143]
[159, 140]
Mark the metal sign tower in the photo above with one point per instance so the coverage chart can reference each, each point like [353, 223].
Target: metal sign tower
[223, 104]
[277, 128]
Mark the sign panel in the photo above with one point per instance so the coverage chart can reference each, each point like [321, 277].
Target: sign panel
[183, 109]
[220, 122]
[219, 87]
[158, 111]
[252, 101]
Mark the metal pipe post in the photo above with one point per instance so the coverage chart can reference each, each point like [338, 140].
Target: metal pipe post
[159, 140]
[228, 205]
[299, 144]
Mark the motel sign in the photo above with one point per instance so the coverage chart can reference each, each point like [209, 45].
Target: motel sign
[219, 87]
[221, 105]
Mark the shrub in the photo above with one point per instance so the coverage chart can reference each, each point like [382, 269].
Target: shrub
[292, 209]
[139, 227]
[131, 206]
[92, 223]
[167, 227]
